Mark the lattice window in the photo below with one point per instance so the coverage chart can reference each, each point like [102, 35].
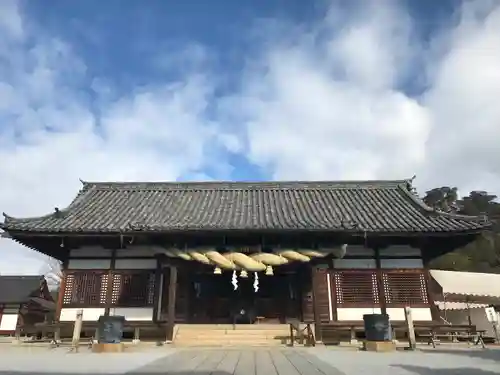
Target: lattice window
[133, 289]
[405, 288]
[85, 288]
[356, 288]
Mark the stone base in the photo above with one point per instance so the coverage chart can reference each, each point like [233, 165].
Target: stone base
[379, 346]
[108, 348]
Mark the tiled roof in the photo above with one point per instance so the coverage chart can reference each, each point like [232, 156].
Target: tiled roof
[371, 206]
[19, 289]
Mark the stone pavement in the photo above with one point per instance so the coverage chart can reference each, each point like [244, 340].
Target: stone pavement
[240, 362]
[443, 360]
[257, 361]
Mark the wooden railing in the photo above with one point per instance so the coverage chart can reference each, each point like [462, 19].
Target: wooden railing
[305, 335]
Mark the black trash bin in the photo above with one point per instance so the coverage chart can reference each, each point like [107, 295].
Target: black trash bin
[110, 329]
[377, 327]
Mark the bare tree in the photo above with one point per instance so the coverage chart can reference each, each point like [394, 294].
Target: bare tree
[52, 270]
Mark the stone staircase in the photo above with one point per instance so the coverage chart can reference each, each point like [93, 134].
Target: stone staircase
[229, 335]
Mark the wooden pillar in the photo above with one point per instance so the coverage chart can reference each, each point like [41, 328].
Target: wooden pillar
[172, 289]
[333, 287]
[333, 294]
[62, 289]
[436, 316]
[60, 296]
[109, 287]
[317, 317]
[158, 288]
[380, 282]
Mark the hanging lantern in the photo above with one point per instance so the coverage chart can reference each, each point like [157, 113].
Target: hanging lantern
[243, 274]
[269, 271]
[217, 271]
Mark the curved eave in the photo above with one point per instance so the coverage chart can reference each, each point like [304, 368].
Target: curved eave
[13, 232]
[421, 204]
[10, 221]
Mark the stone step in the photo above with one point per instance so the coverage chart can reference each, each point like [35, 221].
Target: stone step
[233, 333]
[228, 344]
[229, 335]
[239, 341]
[247, 338]
[237, 327]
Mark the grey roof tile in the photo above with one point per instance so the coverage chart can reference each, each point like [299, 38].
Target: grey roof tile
[19, 289]
[372, 206]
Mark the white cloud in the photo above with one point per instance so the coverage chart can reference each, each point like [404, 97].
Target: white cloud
[335, 109]
[327, 105]
[331, 109]
[50, 136]
[11, 22]
[463, 101]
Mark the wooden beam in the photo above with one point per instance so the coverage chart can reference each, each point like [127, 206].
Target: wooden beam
[172, 289]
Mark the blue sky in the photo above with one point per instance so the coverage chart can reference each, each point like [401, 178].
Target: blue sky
[243, 90]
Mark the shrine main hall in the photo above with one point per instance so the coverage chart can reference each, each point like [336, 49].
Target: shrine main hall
[232, 252]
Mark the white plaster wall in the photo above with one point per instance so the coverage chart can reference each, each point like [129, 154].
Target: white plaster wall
[418, 314]
[396, 251]
[354, 263]
[401, 263]
[90, 252]
[89, 264]
[135, 264]
[133, 313]
[136, 251]
[89, 314]
[9, 322]
[355, 313]
[360, 251]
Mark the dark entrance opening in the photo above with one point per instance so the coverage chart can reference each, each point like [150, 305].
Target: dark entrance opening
[214, 298]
